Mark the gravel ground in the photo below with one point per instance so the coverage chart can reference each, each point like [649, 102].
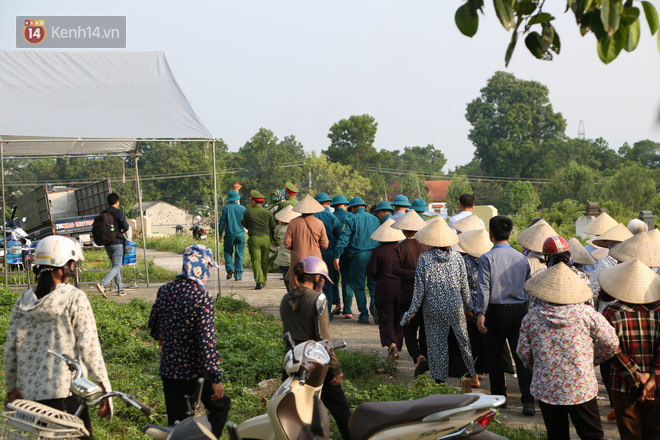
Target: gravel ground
[357, 336]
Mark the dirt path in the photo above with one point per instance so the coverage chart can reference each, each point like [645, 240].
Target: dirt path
[360, 337]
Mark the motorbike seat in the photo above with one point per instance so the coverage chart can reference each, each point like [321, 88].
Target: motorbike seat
[371, 417]
[158, 432]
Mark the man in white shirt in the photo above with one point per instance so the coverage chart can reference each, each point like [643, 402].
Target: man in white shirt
[466, 205]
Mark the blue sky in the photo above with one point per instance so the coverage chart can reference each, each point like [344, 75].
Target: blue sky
[297, 67]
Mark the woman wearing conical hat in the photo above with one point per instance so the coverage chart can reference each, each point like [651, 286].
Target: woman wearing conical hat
[283, 257]
[441, 287]
[561, 339]
[635, 316]
[387, 288]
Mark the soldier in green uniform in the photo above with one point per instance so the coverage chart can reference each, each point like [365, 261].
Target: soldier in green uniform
[290, 194]
[339, 203]
[260, 224]
[384, 210]
[420, 207]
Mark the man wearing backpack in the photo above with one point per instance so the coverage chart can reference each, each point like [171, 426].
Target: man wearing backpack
[114, 247]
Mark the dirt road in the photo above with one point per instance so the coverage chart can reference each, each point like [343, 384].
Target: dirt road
[362, 337]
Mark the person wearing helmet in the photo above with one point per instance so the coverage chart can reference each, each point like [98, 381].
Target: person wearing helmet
[53, 315]
[556, 250]
[304, 317]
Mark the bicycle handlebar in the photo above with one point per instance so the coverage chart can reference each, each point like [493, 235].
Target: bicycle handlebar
[70, 362]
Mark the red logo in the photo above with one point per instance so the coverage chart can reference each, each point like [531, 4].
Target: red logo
[34, 31]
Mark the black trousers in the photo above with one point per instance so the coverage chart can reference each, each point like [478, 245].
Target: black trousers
[335, 401]
[585, 418]
[416, 345]
[503, 324]
[70, 405]
[175, 402]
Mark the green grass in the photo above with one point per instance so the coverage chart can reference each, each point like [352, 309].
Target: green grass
[97, 260]
[251, 349]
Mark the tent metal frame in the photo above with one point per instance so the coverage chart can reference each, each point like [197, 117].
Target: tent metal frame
[135, 154]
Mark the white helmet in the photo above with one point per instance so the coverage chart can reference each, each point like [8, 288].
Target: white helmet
[56, 251]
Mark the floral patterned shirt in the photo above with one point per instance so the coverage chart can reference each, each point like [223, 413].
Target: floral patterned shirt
[182, 319]
[472, 268]
[560, 344]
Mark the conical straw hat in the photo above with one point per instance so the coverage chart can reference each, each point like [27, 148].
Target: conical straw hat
[654, 234]
[640, 247]
[615, 235]
[457, 248]
[559, 285]
[475, 242]
[602, 224]
[308, 206]
[579, 253]
[385, 233]
[533, 237]
[410, 222]
[286, 214]
[631, 282]
[437, 233]
[600, 253]
[468, 223]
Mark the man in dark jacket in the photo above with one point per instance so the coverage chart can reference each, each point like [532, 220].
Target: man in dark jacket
[115, 249]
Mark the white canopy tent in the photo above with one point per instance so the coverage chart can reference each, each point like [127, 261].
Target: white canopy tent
[61, 104]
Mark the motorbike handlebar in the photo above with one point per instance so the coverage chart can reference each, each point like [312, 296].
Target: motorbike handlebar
[303, 376]
[339, 345]
[70, 362]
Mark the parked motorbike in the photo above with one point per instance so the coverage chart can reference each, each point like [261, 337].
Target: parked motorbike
[26, 419]
[296, 410]
[198, 232]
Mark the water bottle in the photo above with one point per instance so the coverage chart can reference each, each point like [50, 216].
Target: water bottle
[130, 256]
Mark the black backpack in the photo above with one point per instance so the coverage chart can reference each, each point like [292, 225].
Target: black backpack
[103, 229]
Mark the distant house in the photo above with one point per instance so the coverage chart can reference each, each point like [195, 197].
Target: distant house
[437, 191]
[163, 217]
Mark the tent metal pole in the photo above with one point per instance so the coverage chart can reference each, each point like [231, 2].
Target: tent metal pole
[144, 232]
[4, 208]
[215, 219]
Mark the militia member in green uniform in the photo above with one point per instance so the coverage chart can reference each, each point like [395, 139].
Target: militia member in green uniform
[290, 194]
[260, 224]
[384, 210]
[339, 203]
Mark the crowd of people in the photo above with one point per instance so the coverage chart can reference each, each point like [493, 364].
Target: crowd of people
[464, 301]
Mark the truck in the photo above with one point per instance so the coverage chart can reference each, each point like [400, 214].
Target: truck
[67, 212]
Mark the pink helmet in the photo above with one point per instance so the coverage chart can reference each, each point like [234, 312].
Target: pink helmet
[315, 266]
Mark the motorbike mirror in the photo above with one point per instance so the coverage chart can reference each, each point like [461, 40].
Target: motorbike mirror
[199, 217]
[289, 340]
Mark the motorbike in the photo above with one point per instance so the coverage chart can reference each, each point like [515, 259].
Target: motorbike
[198, 232]
[26, 419]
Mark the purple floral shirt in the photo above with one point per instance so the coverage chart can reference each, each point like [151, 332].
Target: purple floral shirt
[182, 319]
[561, 344]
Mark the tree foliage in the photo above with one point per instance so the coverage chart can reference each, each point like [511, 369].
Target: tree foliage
[335, 178]
[516, 195]
[616, 24]
[352, 141]
[513, 126]
[458, 186]
[575, 182]
[632, 186]
[645, 152]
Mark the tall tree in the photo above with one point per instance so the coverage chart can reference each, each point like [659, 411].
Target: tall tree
[335, 178]
[425, 160]
[646, 152]
[512, 123]
[516, 195]
[632, 186]
[575, 182]
[458, 186]
[352, 141]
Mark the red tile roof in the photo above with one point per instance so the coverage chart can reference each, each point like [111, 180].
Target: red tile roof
[437, 189]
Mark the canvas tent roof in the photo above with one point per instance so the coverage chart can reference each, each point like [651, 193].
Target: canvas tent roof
[59, 103]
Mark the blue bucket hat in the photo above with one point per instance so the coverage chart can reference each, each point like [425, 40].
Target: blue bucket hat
[233, 196]
[401, 200]
[196, 259]
[339, 200]
[419, 205]
[322, 197]
[384, 206]
[356, 201]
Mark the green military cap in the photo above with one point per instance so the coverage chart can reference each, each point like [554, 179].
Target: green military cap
[291, 188]
[256, 195]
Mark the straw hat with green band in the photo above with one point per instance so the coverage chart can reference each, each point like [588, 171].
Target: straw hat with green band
[631, 282]
[559, 285]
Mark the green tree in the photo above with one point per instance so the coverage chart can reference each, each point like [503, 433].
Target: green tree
[268, 163]
[458, 186]
[514, 127]
[632, 186]
[646, 152]
[575, 182]
[516, 195]
[615, 24]
[425, 160]
[352, 141]
[335, 178]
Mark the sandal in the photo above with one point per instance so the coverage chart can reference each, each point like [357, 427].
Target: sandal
[337, 310]
[348, 315]
[392, 354]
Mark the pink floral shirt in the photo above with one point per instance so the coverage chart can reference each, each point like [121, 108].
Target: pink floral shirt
[561, 344]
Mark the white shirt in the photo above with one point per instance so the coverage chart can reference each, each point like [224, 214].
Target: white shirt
[459, 216]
